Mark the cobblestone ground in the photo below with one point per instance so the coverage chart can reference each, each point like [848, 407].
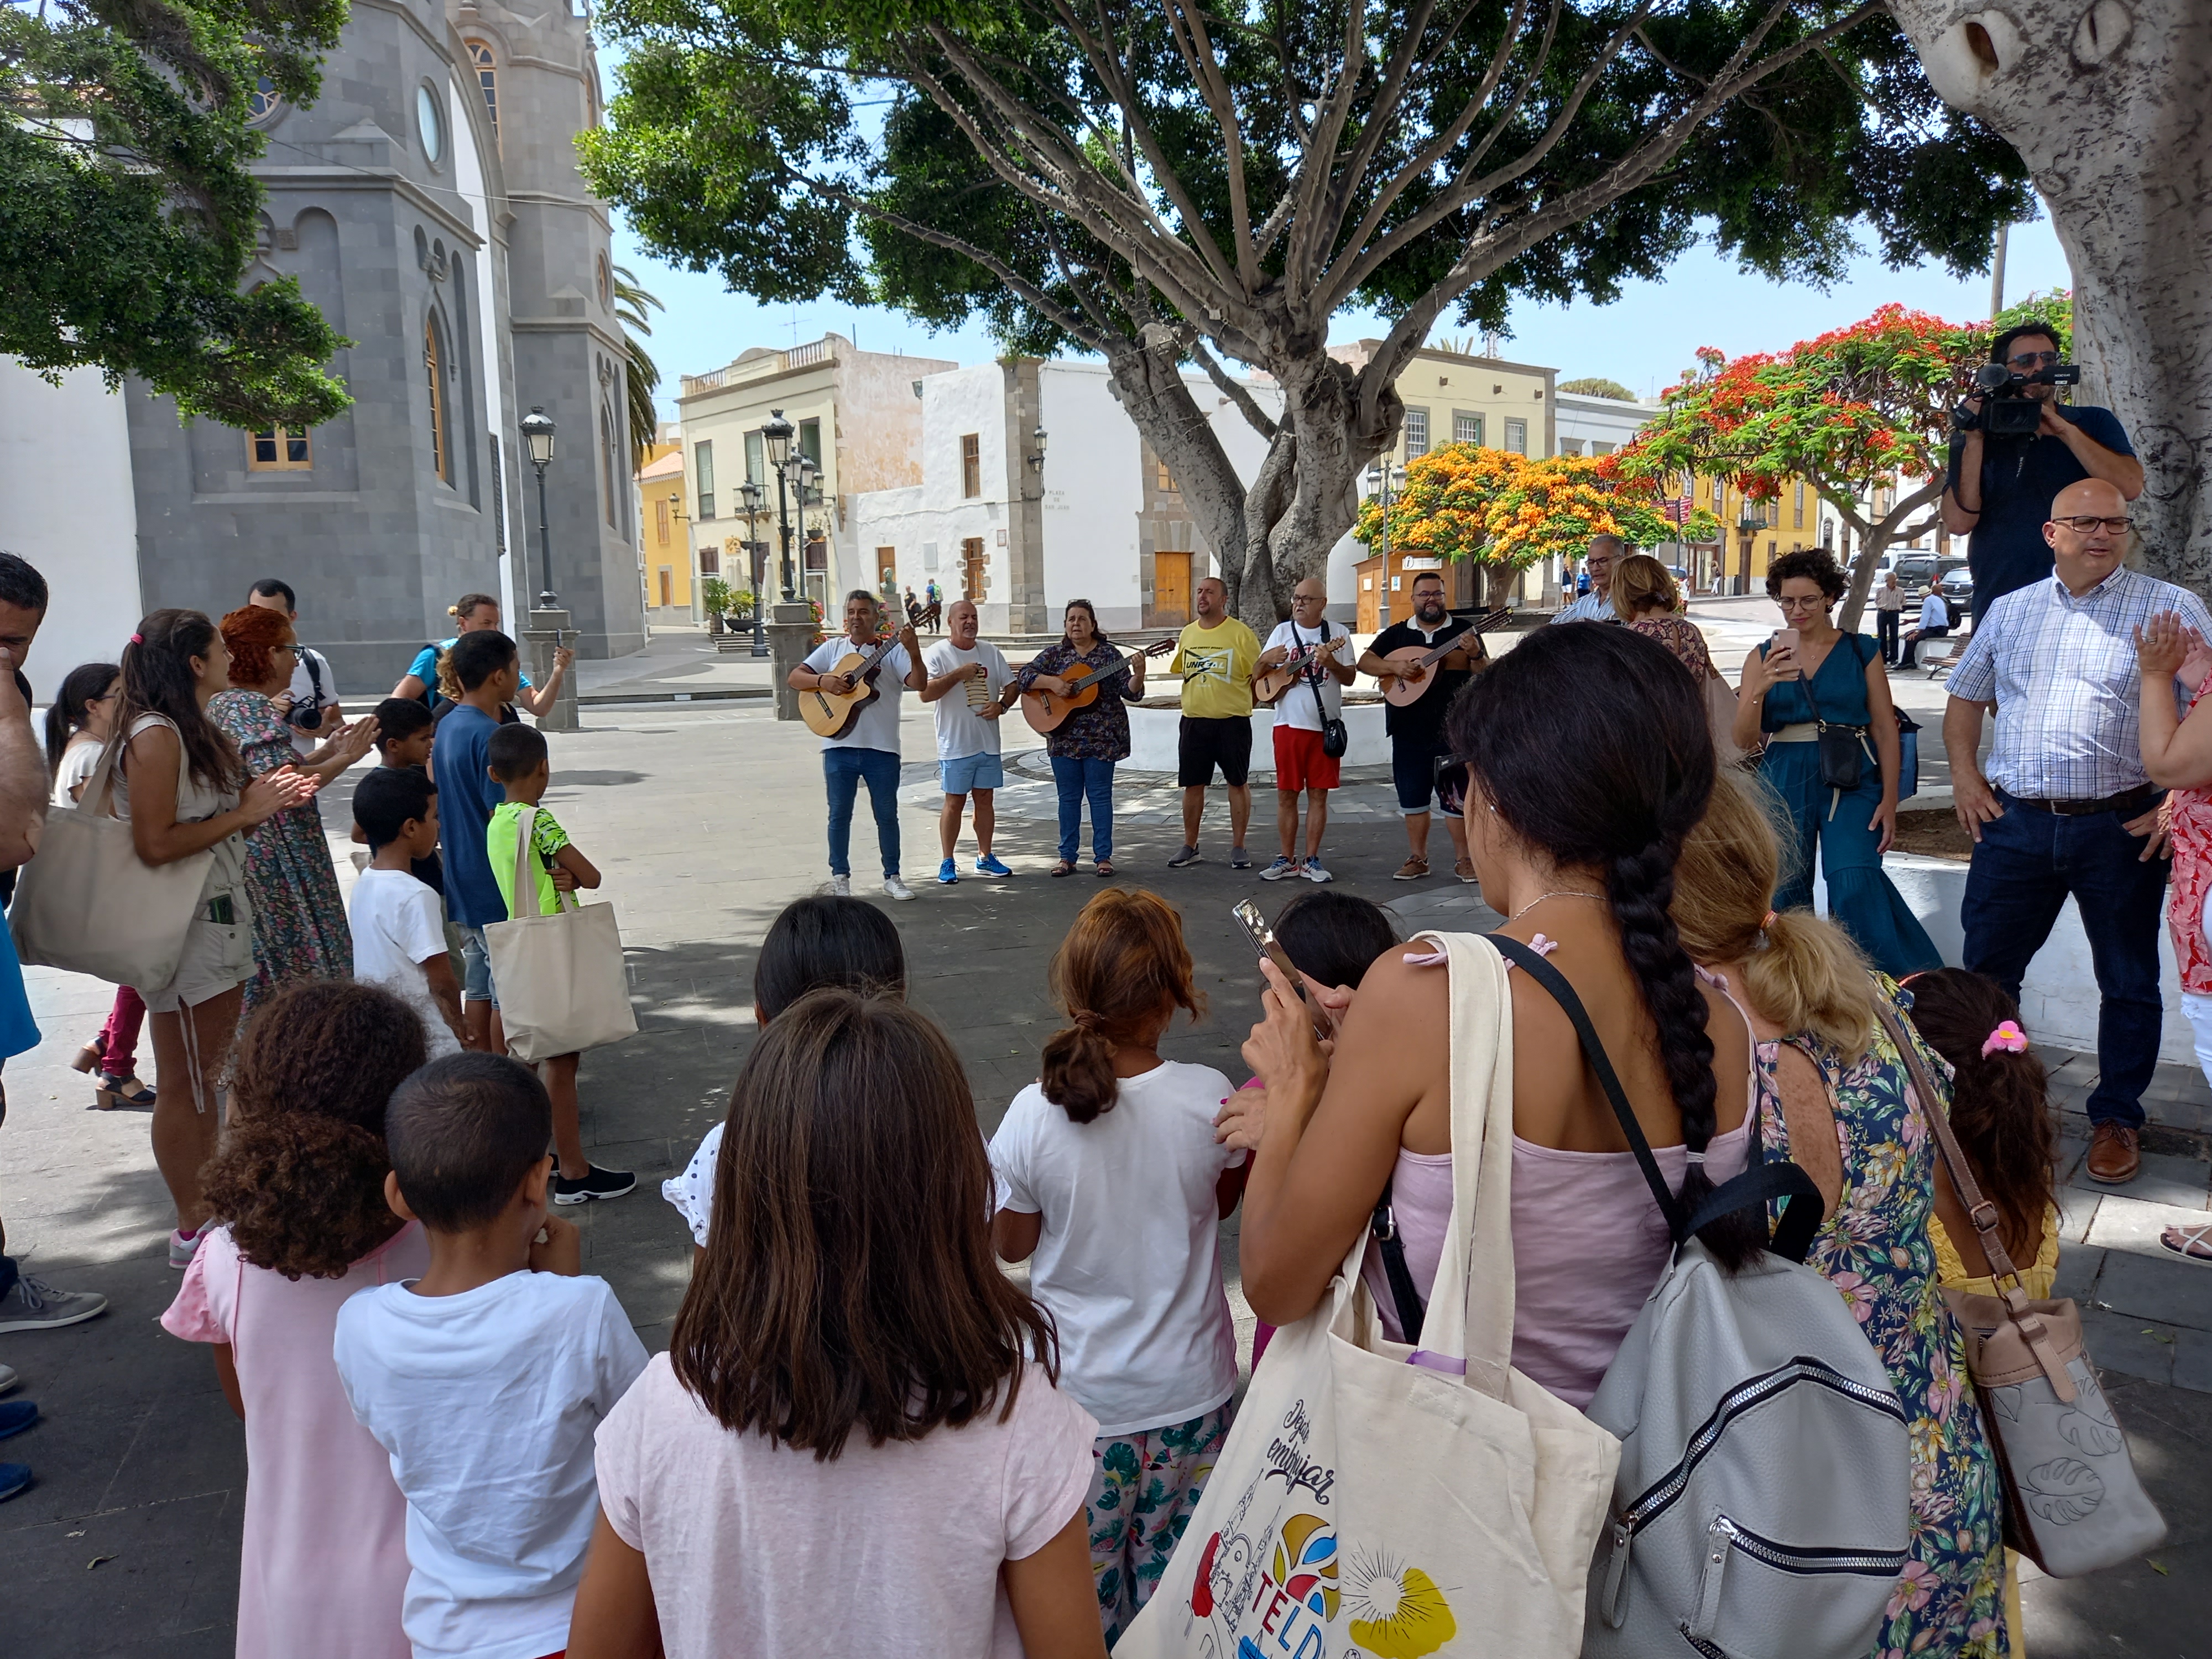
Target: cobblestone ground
[706, 819]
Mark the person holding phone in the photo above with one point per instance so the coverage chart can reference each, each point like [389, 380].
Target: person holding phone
[1811, 678]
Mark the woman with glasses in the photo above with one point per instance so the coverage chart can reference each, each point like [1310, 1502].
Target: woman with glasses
[1791, 690]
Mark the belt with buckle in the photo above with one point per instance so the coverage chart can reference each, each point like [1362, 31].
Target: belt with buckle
[2140, 799]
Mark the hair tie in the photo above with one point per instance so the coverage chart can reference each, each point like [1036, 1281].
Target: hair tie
[1695, 1159]
[1087, 1020]
[2008, 1037]
[1770, 920]
[138, 639]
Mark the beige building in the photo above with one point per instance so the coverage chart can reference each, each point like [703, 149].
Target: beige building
[858, 415]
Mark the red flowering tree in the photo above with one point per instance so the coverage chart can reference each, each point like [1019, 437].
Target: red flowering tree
[1860, 409]
[1505, 512]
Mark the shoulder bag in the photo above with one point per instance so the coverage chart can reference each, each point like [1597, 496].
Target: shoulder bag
[1335, 737]
[2073, 1502]
[562, 984]
[88, 903]
[1384, 1499]
[1843, 747]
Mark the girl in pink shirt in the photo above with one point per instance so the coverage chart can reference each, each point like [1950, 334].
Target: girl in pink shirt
[298, 1191]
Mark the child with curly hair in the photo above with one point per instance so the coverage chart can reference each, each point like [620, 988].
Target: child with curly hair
[299, 1224]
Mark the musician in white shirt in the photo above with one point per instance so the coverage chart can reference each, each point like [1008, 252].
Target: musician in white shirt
[971, 686]
[1301, 764]
[870, 751]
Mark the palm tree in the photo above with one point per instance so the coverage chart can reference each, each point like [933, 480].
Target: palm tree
[641, 374]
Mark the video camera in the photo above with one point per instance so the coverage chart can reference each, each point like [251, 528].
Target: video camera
[2007, 410]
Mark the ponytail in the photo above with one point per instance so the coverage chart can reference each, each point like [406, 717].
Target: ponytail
[71, 707]
[1079, 1071]
[1123, 964]
[157, 678]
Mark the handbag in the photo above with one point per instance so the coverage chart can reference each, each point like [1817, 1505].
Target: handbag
[2073, 1501]
[562, 984]
[1397, 1500]
[88, 903]
[1843, 747]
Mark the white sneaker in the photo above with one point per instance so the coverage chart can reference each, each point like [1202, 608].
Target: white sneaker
[897, 888]
[841, 886]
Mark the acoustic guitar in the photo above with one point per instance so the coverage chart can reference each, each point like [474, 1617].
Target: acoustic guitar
[1269, 687]
[830, 714]
[1046, 711]
[1399, 692]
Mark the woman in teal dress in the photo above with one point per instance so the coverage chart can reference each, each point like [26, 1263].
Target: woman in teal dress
[1838, 678]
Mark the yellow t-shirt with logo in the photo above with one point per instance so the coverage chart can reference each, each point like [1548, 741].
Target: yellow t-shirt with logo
[1216, 664]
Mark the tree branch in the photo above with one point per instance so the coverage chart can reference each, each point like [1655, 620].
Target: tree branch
[1232, 389]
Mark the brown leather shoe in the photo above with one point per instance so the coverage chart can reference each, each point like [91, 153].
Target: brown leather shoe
[2114, 1154]
[1412, 870]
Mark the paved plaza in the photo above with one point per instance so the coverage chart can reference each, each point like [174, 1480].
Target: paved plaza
[706, 818]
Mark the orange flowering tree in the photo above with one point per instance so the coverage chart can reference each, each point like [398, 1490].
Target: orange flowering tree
[1857, 409]
[1505, 512]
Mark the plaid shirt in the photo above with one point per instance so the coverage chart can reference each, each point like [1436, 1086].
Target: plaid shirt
[2062, 671]
[1596, 605]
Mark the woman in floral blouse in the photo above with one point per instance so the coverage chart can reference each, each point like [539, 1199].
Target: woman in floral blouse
[1088, 742]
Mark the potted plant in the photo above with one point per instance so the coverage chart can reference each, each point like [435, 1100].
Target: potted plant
[714, 594]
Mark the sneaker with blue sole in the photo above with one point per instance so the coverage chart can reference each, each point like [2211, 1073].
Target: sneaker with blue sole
[948, 873]
[1280, 870]
[991, 864]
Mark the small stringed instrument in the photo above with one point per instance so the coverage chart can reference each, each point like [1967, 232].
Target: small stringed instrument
[1046, 711]
[830, 714]
[1268, 689]
[1401, 692]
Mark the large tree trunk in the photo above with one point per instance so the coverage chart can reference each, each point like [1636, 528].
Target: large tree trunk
[2110, 102]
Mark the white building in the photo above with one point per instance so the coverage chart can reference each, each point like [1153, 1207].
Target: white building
[1599, 426]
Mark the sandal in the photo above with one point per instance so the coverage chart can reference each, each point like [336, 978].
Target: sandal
[1105, 869]
[2194, 1243]
[88, 1057]
[1063, 868]
[110, 1091]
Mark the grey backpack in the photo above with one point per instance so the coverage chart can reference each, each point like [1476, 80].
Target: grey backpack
[1763, 1507]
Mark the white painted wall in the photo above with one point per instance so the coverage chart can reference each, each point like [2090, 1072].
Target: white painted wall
[67, 506]
[1093, 491]
[469, 178]
[1598, 420]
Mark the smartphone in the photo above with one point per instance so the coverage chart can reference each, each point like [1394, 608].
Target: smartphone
[1785, 639]
[1264, 942]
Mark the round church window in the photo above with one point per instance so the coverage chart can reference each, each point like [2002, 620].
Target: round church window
[426, 118]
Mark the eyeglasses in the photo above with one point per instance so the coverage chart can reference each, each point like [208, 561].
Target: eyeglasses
[1805, 602]
[2033, 360]
[2088, 526]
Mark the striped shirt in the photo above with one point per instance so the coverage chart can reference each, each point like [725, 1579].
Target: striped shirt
[1596, 605]
[2062, 671]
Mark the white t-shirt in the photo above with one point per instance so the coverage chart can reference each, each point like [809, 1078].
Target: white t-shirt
[756, 1548]
[398, 924]
[487, 1403]
[961, 732]
[78, 761]
[1130, 1260]
[304, 694]
[878, 727]
[1296, 706]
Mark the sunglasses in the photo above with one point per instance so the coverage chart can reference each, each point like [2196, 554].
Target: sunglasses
[2033, 360]
[2088, 526]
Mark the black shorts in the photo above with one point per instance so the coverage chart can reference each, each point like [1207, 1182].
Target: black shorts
[1414, 770]
[1203, 744]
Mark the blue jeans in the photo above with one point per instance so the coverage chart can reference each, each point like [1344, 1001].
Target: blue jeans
[1075, 778]
[2025, 864]
[844, 769]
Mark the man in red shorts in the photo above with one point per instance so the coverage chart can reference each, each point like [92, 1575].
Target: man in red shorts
[1326, 660]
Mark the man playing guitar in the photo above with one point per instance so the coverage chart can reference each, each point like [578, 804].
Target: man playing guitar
[867, 751]
[1416, 728]
[1302, 766]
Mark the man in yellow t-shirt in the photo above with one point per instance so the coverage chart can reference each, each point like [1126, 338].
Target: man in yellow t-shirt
[1216, 656]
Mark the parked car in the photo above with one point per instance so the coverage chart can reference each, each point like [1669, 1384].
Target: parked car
[1957, 585]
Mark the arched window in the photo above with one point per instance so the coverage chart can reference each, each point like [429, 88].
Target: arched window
[487, 78]
[607, 460]
[433, 365]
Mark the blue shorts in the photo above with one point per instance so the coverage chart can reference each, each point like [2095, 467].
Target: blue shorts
[971, 772]
[476, 967]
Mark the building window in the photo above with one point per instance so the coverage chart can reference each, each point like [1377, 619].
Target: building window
[607, 462]
[702, 467]
[755, 459]
[429, 124]
[263, 101]
[606, 282]
[1798, 511]
[1417, 433]
[971, 467]
[487, 78]
[660, 520]
[279, 449]
[1600, 449]
[441, 460]
[710, 561]
[809, 442]
[1571, 446]
[1465, 428]
[1163, 478]
[1516, 437]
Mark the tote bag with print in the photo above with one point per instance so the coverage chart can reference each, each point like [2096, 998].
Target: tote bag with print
[1392, 1502]
[563, 986]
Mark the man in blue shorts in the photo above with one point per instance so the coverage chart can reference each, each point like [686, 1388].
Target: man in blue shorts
[970, 685]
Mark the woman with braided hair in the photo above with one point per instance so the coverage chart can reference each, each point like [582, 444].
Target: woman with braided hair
[1589, 756]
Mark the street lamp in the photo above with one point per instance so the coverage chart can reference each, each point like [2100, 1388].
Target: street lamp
[1037, 455]
[1384, 477]
[537, 436]
[776, 436]
[755, 548]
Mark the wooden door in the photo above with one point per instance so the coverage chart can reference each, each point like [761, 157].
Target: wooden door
[971, 569]
[887, 572]
[1171, 590]
[667, 587]
[1367, 573]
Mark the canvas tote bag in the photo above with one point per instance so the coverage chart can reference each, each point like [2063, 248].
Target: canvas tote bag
[1391, 1500]
[563, 986]
[88, 902]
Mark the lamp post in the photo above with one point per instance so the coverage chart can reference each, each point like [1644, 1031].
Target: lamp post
[804, 494]
[755, 548]
[1385, 477]
[776, 436]
[538, 431]
[549, 623]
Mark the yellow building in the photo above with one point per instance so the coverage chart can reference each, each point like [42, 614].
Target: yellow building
[663, 539]
[1753, 534]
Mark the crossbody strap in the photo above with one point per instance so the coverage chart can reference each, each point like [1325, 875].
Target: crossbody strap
[1391, 1244]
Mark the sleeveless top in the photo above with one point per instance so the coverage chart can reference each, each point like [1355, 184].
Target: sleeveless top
[196, 803]
[1579, 1281]
[1842, 694]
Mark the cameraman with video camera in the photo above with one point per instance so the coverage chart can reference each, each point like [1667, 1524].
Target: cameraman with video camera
[2013, 448]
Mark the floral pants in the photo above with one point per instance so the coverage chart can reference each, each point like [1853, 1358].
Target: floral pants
[1144, 1487]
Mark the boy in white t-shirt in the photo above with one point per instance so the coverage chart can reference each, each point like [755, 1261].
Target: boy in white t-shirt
[486, 1379]
[969, 688]
[869, 752]
[1301, 765]
[399, 923]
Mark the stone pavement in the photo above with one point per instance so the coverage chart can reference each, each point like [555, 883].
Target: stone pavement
[707, 820]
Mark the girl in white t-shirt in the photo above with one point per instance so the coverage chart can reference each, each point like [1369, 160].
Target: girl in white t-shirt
[854, 1444]
[1110, 1177]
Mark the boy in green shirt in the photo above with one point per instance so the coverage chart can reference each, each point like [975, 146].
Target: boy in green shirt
[518, 762]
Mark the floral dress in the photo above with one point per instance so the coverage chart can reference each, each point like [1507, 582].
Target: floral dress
[2189, 827]
[1682, 636]
[1877, 1250]
[1100, 732]
[300, 928]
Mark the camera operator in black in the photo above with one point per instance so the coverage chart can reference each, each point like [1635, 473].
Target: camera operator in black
[2001, 488]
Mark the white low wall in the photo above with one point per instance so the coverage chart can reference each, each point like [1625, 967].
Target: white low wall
[1152, 734]
[2058, 999]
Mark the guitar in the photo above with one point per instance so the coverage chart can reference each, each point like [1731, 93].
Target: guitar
[1399, 692]
[1269, 687]
[1046, 711]
[830, 714]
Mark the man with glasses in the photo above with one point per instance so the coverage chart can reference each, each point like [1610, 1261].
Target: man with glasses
[2002, 488]
[2066, 807]
[1596, 605]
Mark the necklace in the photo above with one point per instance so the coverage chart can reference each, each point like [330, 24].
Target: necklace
[1557, 892]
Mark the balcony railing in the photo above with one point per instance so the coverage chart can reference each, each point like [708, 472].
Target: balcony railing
[754, 368]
